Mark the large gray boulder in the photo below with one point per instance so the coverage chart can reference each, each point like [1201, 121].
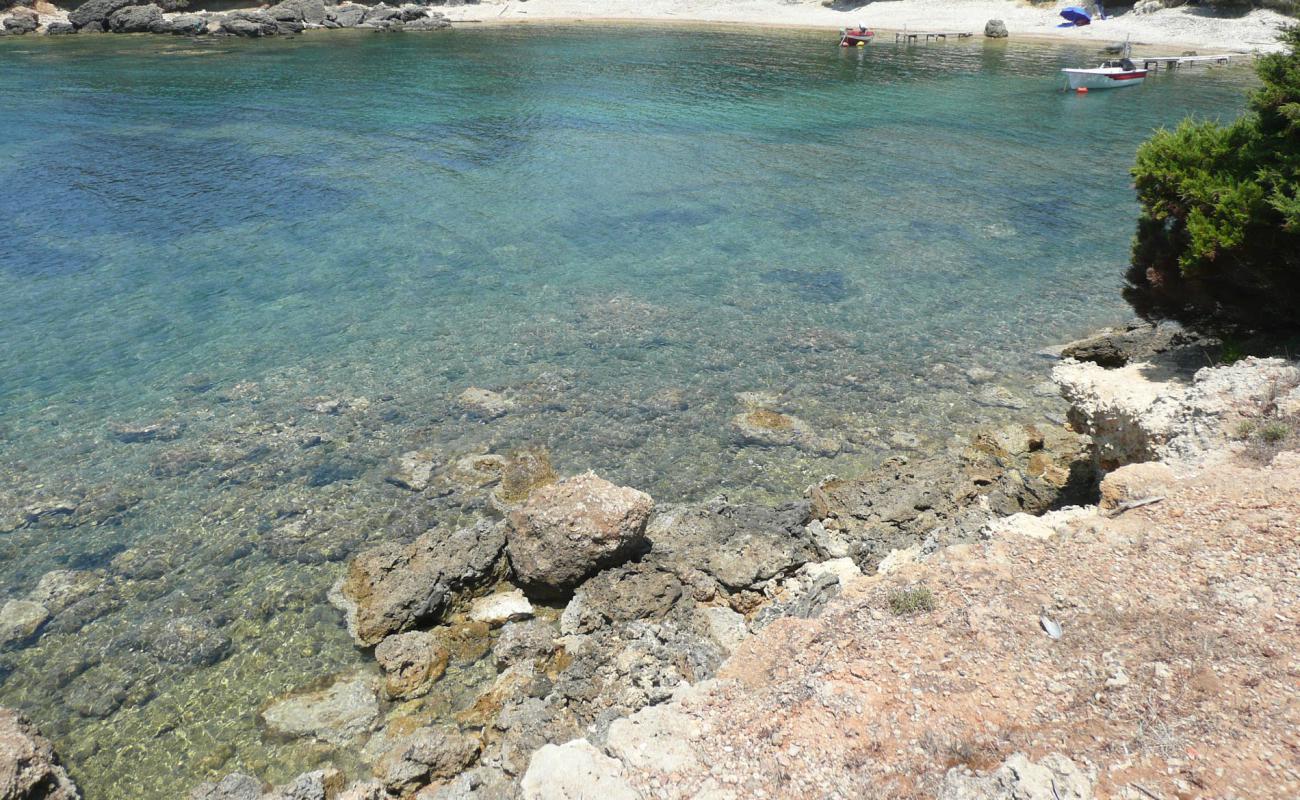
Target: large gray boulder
[347, 15]
[309, 12]
[136, 19]
[570, 530]
[995, 29]
[59, 28]
[95, 12]
[393, 588]
[29, 767]
[235, 786]
[251, 24]
[23, 20]
[21, 620]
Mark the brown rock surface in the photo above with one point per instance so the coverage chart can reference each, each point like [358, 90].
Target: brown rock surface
[29, 768]
[568, 530]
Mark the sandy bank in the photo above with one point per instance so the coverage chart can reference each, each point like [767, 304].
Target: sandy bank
[1186, 26]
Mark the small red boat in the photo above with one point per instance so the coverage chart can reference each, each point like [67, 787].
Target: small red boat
[856, 37]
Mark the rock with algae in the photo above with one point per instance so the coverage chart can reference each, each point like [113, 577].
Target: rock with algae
[338, 714]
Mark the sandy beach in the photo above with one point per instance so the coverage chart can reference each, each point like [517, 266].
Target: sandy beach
[1187, 27]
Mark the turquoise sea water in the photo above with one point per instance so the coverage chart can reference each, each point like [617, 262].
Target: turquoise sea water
[619, 228]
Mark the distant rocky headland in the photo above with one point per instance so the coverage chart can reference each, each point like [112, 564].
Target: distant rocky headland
[170, 17]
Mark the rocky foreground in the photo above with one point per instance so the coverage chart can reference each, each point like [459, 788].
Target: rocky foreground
[987, 626]
[169, 17]
[1143, 647]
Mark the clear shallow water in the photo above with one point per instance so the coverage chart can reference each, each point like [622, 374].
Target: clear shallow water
[619, 228]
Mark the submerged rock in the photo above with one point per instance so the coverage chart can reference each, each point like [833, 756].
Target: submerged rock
[29, 767]
[521, 472]
[138, 19]
[412, 470]
[235, 786]
[482, 404]
[761, 426]
[21, 620]
[337, 715]
[569, 530]
[393, 588]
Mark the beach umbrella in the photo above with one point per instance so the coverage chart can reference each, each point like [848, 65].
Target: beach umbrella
[1076, 15]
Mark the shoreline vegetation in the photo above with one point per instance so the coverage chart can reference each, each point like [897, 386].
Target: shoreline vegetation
[1185, 26]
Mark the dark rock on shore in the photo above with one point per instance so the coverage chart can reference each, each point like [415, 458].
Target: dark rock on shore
[29, 767]
[23, 20]
[1134, 342]
[250, 24]
[308, 12]
[393, 588]
[346, 15]
[59, 28]
[139, 19]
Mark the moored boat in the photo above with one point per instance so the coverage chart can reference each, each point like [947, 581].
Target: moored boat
[1110, 75]
[856, 37]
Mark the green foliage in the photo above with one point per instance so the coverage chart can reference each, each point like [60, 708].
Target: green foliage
[1218, 239]
[913, 600]
[1274, 432]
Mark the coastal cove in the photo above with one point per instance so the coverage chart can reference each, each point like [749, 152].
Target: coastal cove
[243, 278]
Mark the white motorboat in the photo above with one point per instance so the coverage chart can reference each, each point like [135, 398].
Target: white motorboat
[1110, 75]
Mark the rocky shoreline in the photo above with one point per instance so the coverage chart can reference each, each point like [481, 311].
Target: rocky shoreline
[597, 648]
[289, 17]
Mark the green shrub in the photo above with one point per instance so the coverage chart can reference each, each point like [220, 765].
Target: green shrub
[1274, 432]
[1218, 239]
[913, 600]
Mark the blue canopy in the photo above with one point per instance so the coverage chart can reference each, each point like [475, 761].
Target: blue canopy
[1077, 15]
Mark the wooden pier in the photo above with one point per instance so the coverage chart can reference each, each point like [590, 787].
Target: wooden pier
[918, 36]
[1152, 63]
